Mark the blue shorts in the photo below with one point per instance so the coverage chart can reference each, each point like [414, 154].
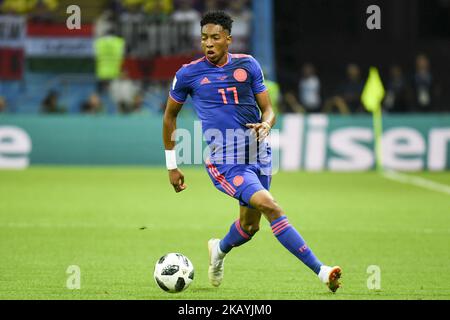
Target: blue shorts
[240, 181]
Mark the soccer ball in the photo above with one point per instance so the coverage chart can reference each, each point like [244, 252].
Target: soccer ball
[174, 272]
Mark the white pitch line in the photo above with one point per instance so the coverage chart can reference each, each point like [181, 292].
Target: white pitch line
[417, 181]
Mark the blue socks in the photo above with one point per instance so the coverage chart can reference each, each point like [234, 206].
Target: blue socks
[293, 241]
[285, 233]
[234, 238]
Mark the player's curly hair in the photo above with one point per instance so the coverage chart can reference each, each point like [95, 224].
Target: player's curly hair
[218, 17]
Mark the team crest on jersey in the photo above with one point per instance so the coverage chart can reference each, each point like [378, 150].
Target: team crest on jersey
[238, 180]
[240, 75]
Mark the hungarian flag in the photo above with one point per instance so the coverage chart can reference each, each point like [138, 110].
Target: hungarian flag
[56, 40]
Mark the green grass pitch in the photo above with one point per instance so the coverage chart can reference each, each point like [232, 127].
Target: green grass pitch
[115, 222]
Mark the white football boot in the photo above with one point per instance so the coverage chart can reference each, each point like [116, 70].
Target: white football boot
[216, 258]
[330, 276]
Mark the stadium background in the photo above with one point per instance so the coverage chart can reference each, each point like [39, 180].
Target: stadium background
[73, 102]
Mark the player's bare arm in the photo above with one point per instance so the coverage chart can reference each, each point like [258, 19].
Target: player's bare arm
[267, 118]
[176, 176]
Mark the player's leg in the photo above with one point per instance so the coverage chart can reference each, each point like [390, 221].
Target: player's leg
[241, 231]
[234, 180]
[289, 237]
[250, 219]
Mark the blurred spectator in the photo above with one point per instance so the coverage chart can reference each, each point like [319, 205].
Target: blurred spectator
[104, 22]
[123, 92]
[309, 89]
[309, 99]
[17, 6]
[348, 98]
[397, 92]
[93, 105]
[186, 13]
[242, 18]
[137, 107]
[132, 5]
[50, 103]
[133, 11]
[156, 95]
[158, 10]
[423, 85]
[132, 26]
[3, 106]
[211, 5]
[109, 55]
[43, 11]
[274, 92]
[116, 6]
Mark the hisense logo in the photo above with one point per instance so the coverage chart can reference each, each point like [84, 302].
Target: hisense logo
[15, 146]
[314, 144]
[311, 143]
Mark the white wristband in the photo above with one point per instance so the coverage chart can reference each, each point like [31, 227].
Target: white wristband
[171, 160]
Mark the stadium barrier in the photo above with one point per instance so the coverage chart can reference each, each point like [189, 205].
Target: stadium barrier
[314, 143]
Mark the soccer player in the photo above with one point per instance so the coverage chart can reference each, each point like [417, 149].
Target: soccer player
[227, 90]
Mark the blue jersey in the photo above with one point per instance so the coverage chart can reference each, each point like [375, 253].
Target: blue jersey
[224, 101]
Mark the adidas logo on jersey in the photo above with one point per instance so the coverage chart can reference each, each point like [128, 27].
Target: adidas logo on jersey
[205, 81]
